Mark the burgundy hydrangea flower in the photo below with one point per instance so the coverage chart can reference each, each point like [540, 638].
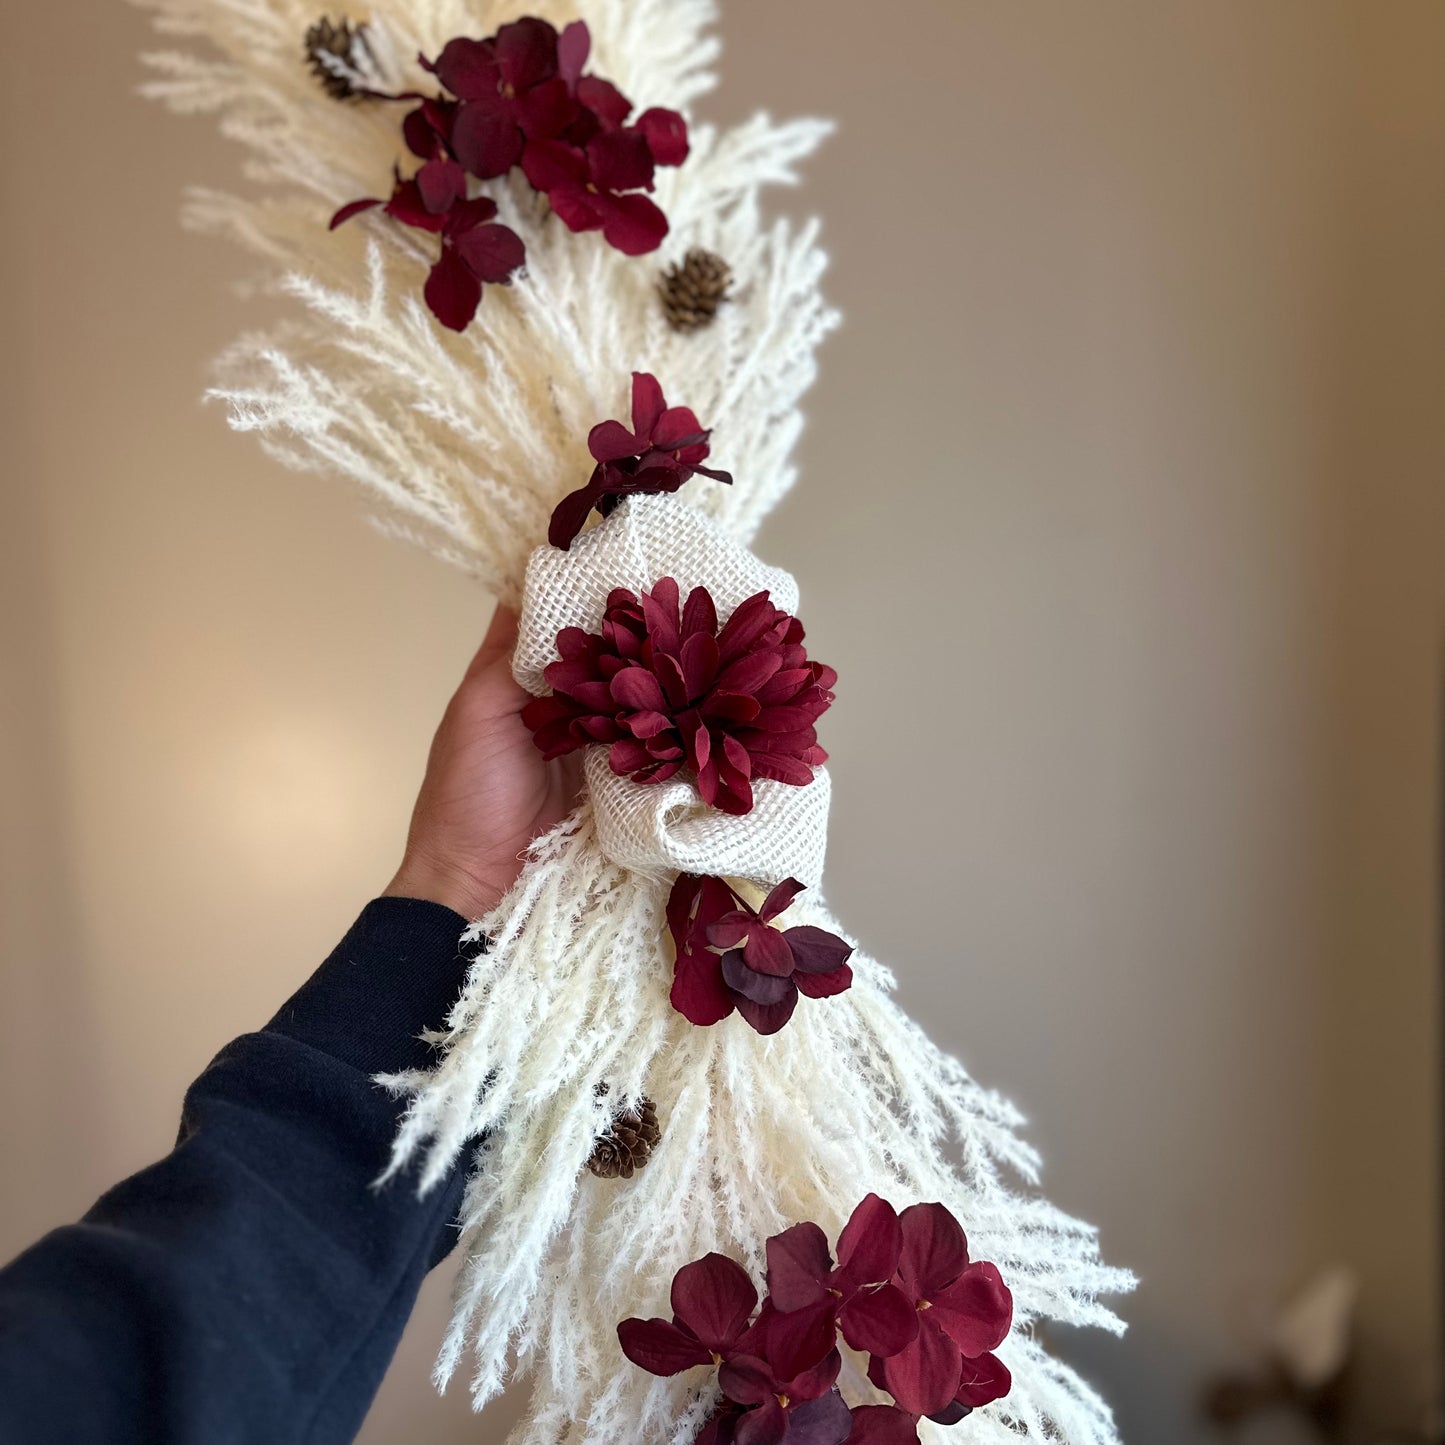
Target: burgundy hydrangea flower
[512, 90]
[786, 1409]
[729, 956]
[712, 1306]
[521, 90]
[857, 1295]
[665, 447]
[666, 689]
[592, 169]
[475, 249]
[779, 1373]
[964, 1312]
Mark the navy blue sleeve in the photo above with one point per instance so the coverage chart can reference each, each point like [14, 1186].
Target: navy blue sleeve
[252, 1286]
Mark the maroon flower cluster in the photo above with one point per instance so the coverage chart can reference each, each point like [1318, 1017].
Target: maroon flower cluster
[729, 955]
[665, 448]
[520, 98]
[666, 689]
[902, 1291]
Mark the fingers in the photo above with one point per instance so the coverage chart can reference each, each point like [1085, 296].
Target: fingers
[501, 638]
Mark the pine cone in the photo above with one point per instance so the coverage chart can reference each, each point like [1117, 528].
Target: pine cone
[337, 53]
[693, 289]
[628, 1143]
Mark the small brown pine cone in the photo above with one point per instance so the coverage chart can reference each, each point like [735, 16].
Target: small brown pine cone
[628, 1143]
[693, 289]
[337, 52]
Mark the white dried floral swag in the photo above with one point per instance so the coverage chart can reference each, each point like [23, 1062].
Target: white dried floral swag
[466, 443]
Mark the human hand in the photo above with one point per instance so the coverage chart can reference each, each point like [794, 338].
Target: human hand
[487, 794]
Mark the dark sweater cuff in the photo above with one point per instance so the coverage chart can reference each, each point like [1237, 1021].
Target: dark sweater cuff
[398, 971]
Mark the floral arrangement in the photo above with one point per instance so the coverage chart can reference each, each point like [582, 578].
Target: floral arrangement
[903, 1291]
[666, 1040]
[520, 98]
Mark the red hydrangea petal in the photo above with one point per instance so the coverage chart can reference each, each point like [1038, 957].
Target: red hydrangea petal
[493, 252]
[923, 1376]
[660, 1347]
[546, 110]
[779, 900]
[817, 1379]
[571, 512]
[882, 1425]
[824, 1421]
[746, 1380]
[767, 1018]
[631, 223]
[354, 208]
[576, 208]
[934, 1251]
[765, 1424]
[468, 214]
[975, 1311]
[486, 138]
[799, 1267]
[441, 183]
[604, 100]
[452, 292]
[800, 1339]
[666, 135]
[468, 69]
[731, 930]
[619, 160]
[648, 406]
[815, 950]
[767, 951]
[880, 1322]
[984, 1380]
[610, 441]
[549, 164]
[573, 45]
[698, 992]
[406, 205]
[758, 988]
[526, 52]
[871, 1241]
[824, 985]
[714, 1297]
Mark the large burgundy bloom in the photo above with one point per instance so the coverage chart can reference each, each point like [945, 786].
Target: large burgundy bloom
[665, 447]
[729, 956]
[857, 1295]
[666, 689]
[964, 1313]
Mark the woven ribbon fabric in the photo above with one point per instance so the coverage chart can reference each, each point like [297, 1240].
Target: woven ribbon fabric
[667, 826]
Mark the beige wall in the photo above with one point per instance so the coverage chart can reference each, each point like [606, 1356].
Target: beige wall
[1123, 520]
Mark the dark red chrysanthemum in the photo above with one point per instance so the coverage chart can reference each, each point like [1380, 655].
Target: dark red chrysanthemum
[664, 449]
[729, 956]
[964, 1312]
[665, 688]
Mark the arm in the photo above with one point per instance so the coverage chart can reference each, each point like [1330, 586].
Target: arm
[252, 1286]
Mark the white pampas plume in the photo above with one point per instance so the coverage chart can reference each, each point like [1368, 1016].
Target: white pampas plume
[466, 442]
